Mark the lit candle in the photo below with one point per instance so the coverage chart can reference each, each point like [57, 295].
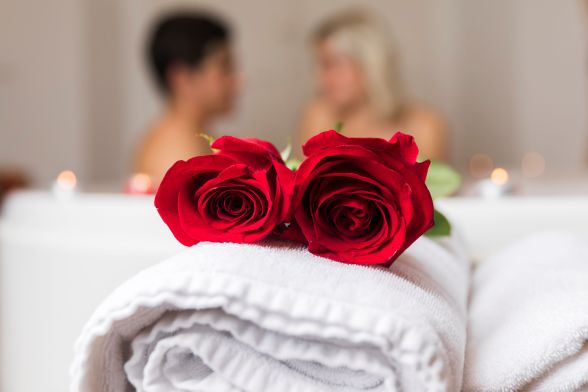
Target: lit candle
[139, 184]
[65, 186]
[496, 186]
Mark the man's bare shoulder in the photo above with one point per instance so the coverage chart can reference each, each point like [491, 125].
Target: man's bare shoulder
[161, 147]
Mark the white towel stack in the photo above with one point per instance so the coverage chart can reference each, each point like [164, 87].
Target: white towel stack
[229, 317]
[529, 318]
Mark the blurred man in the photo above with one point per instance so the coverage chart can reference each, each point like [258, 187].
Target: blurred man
[191, 58]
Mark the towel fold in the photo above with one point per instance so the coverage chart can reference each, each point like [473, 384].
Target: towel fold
[528, 326]
[231, 317]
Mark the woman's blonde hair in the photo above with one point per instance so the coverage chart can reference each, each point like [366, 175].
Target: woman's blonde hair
[359, 36]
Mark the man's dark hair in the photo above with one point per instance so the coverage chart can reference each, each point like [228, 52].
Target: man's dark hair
[183, 38]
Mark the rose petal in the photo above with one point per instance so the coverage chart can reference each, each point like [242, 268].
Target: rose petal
[254, 148]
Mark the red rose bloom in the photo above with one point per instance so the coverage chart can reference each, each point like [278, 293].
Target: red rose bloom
[240, 194]
[362, 200]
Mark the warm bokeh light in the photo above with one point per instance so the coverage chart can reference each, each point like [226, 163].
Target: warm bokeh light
[533, 164]
[67, 179]
[480, 165]
[140, 183]
[499, 176]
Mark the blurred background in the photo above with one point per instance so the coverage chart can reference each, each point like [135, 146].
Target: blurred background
[508, 77]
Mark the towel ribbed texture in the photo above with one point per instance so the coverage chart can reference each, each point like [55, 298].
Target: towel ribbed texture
[272, 317]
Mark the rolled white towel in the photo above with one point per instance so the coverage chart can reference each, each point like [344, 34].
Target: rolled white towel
[528, 326]
[230, 317]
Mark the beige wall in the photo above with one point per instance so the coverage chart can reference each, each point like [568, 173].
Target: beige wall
[508, 75]
[550, 87]
[42, 106]
[523, 85]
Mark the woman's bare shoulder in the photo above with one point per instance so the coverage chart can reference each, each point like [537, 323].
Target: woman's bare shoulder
[428, 126]
[317, 116]
[318, 111]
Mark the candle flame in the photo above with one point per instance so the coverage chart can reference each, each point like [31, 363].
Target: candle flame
[67, 179]
[499, 176]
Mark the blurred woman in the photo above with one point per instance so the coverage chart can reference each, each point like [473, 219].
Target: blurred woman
[359, 85]
[191, 58]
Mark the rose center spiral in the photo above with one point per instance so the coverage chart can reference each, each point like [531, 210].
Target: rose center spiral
[231, 204]
[353, 217]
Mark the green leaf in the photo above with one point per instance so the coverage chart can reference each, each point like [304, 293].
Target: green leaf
[442, 226]
[442, 180]
[285, 153]
[338, 126]
[293, 163]
[207, 137]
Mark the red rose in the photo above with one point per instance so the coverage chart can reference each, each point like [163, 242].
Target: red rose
[239, 194]
[362, 200]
